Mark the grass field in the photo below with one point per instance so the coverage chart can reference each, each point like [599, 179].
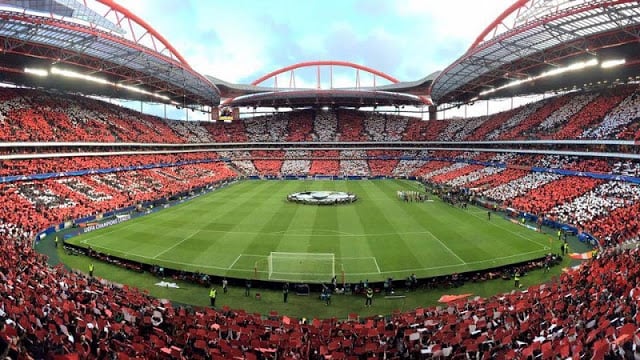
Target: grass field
[232, 231]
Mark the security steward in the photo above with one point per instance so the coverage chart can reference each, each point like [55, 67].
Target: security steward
[212, 297]
[369, 300]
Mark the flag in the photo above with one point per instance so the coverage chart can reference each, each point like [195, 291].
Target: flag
[450, 298]
[581, 256]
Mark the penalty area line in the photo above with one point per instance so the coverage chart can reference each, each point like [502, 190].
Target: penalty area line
[234, 262]
[446, 247]
[376, 262]
[176, 244]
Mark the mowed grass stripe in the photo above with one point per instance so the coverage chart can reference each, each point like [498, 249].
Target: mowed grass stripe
[201, 251]
[498, 238]
[252, 214]
[430, 252]
[356, 256]
[241, 224]
[273, 230]
[390, 250]
[417, 215]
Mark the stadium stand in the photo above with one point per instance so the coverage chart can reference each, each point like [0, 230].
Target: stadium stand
[300, 127]
[382, 163]
[588, 312]
[350, 126]
[267, 162]
[326, 162]
[296, 163]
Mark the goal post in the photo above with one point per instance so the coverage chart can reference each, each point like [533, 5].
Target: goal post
[302, 266]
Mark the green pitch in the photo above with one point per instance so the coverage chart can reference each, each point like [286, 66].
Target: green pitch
[232, 231]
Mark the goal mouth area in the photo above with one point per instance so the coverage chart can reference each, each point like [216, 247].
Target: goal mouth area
[301, 266]
[322, 197]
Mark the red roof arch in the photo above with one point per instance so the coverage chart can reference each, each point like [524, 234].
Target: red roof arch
[325, 63]
[493, 27]
[123, 14]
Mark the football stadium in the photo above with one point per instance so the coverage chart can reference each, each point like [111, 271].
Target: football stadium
[325, 209]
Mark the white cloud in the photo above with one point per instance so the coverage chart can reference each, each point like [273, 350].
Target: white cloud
[455, 19]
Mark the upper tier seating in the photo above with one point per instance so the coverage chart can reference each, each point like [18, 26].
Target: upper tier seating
[30, 115]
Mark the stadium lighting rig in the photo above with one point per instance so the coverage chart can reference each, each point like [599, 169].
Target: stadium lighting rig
[555, 72]
[37, 72]
[90, 78]
[612, 63]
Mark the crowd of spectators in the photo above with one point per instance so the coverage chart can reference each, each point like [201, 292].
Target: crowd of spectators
[588, 312]
[519, 186]
[30, 115]
[626, 168]
[523, 128]
[480, 173]
[192, 131]
[600, 201]
[491, 124]
[267, 162]
[520, 115]
[459, 129]
[30, 204]
[592, 113]
[301, 126]
[325, 126]
[267, 129]
[615, 122]
[354, 163]
[297, 162]
[62, 164]
[382, 163]
[350, 126]
[542, 199]
[458, 172]
[325, 162]
[565, 112]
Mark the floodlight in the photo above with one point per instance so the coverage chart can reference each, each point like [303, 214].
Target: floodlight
[141, 91]
[37, 72]
[612, 63]
[75, 75]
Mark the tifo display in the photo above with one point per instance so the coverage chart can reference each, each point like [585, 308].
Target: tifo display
[322, 197]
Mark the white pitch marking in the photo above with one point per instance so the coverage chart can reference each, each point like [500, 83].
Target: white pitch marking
[377, 267]
[544, 247]
[446, 247]
[234, 262]
[176, 244]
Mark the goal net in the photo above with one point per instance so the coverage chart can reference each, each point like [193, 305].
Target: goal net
[308, 267]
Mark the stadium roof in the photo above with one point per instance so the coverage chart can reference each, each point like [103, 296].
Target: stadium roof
[394, 93]
[534, 39]
[117, 52]
[296, 98]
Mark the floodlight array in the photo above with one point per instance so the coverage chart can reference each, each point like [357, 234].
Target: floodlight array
[37, 72]
[555, 72]
[91, 78]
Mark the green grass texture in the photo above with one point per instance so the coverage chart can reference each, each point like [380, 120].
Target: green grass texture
[231, 232]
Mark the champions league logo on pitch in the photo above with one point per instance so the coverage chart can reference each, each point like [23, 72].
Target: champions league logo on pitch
[322, 197]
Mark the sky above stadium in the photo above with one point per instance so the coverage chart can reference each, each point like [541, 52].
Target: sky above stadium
[241, 40]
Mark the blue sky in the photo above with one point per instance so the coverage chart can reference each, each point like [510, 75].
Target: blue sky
[241, 40]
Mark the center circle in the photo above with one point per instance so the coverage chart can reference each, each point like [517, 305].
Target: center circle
[322, 197]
